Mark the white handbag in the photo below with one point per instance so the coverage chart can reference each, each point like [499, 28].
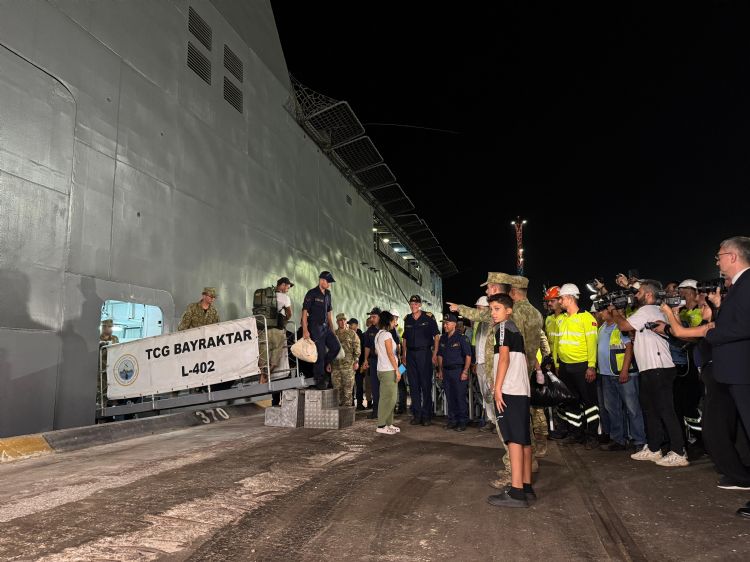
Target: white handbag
[305, 350]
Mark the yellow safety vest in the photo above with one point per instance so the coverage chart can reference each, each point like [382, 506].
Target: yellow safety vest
[617, 352]
[577, 339]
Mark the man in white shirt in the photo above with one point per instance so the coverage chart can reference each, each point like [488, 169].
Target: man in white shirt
[283, 302]
[657, 374]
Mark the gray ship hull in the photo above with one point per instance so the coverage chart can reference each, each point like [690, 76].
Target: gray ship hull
[126, 176]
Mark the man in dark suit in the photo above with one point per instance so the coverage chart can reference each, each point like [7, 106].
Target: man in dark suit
[730, 339]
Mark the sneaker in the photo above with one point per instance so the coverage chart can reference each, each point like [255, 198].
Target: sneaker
[394, 428]
[729, 484]
[387, 430]
[673, 459]
[613, 446]
[646, 454]
[504, 500]
[530, 496]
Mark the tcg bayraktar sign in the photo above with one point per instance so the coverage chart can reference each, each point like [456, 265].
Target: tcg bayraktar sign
[197, 357]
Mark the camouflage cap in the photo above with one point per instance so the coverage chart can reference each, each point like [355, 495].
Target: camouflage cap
[519, 282]
[497, 277]
[107, 322]
[210, 291]
[341, 316]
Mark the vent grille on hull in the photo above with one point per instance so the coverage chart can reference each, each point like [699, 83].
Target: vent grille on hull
[198, 62]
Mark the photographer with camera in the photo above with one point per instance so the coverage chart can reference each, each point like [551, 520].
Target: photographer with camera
[723, 436]
[730, 339]
[657, 374]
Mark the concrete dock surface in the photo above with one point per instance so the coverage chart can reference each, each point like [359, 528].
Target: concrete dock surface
[237, 490]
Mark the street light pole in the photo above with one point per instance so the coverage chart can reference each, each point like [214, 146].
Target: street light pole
[518, 224]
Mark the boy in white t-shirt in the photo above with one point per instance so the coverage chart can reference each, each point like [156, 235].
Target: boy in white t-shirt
[512, 391]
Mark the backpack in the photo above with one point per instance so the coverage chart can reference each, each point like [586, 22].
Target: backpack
[265, 304]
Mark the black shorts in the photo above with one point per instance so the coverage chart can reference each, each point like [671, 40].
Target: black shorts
[515, 421]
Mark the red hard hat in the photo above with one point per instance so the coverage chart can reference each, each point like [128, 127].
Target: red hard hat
[552, 293]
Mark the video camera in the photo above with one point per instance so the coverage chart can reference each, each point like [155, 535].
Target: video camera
[711, 285]
[619, 299]
[671, 301]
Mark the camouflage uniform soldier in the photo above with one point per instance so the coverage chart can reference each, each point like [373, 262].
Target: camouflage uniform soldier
[496, 283]
[106, 338]
[502, 283]
[201, 313]
[342, 374]
[530, 322]
[276, 339]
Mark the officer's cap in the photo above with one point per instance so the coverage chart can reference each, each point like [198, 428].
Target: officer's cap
[497, 277]
[284, 280]
[107, 322]
[415, 298]
[210, 291]
[341, 316]
[353, 321]
[519, 282]
[327, 276]
[375, 310]
[450, 317]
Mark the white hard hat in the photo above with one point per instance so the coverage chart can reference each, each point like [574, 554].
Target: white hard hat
[569, 289]
[482, 301]
[688, 284]
[394, 313]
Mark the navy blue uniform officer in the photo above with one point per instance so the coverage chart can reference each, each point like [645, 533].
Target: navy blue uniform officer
[318, 326]
[454, 360]
[419, 347]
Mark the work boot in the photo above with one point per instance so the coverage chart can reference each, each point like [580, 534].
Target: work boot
[541, 445]
[592, 442]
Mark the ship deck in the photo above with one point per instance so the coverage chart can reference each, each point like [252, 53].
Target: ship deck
[237, 490]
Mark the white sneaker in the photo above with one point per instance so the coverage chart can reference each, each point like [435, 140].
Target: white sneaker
[673, 459]
[646, 454]
[394, 428]
[387, 430]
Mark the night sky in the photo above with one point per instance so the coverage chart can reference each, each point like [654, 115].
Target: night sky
[623, 137]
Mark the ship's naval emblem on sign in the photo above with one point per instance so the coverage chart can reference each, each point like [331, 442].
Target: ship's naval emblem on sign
[126, 370]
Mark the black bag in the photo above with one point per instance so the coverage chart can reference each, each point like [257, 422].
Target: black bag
[552, 393]
[265, 304]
